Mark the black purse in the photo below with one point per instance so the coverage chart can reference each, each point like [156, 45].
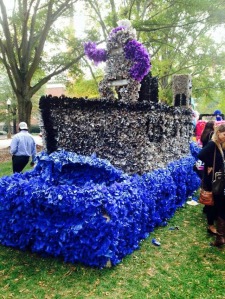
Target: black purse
[218, 183]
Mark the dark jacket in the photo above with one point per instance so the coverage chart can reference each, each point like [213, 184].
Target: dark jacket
[207, 156]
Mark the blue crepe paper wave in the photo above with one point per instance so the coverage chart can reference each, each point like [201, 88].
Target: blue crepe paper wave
[85, 210]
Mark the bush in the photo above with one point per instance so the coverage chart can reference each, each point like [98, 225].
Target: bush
[3, 133]
[34, 129]
[5, 128]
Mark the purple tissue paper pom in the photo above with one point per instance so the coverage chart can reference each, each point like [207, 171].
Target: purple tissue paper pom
[136, 51]
[97, 55]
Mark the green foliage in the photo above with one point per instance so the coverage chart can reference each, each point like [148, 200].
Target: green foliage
[83, 88]
[34, 129]
[36, 45]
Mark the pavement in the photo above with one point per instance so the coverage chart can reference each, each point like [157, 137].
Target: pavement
[5, 143]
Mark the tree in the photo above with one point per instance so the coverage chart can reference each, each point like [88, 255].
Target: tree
[177, 35]
[84, 87]
[6, 93]
[35, 46]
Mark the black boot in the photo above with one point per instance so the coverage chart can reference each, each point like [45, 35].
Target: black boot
[220, 238]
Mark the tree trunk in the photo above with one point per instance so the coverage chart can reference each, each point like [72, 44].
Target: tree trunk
[24, 108]
[14, 120]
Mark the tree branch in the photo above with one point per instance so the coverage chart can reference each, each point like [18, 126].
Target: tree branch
[8, 48]
[57, 71]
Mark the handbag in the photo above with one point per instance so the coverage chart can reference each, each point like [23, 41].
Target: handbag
[218, 183]
[206, 197]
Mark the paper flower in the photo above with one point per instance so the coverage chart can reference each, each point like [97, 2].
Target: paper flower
[140, 57]
[84, 210]
[127, 59]
[97, 55]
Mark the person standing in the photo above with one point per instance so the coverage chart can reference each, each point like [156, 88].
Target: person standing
[22, 148]
[217, 146]
[207, 132]
[210, 211]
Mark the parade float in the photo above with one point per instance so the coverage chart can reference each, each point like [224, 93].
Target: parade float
[113, 168]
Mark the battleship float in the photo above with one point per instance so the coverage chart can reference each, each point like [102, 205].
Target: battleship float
[112, 168]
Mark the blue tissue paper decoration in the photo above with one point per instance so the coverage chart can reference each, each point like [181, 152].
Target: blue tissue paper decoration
[85, 210]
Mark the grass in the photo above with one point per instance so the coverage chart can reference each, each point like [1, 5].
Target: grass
[184, 266]
[6, 168]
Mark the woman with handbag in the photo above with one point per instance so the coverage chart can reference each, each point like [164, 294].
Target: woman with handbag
[210, 211]
[213, 157]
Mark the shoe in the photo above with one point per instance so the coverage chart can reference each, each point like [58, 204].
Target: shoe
[212, 230]
[220, 237]
[218, 243]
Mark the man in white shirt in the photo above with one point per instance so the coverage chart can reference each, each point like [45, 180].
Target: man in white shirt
[22, 148]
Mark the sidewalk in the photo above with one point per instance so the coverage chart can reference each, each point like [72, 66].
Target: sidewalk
[5, 143]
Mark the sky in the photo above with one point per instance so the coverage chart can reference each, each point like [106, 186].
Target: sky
[79, 22]
[219, 33]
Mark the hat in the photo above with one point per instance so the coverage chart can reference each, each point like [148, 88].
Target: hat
[23, 126]
[217, 112]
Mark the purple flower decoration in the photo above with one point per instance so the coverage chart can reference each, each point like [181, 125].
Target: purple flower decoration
[97, 55]
[136, 52]
[115, 30]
